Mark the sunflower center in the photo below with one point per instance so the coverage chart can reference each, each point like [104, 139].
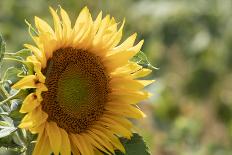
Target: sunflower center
[78, 86]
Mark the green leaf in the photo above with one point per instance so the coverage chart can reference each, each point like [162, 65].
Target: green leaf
[3, 113]
[17, 139]
[9, 147]
[7, 131]
[2, 47]
[27, 66]
[9, 151]
[20, 94]
[24, 53]
[12, 74]
[20, 55]
[7, 126]
[134, 146]
[4, 124]
[141, 59]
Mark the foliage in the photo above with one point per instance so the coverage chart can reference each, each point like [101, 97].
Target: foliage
[135, 145]
[189, 41]
[12, 139]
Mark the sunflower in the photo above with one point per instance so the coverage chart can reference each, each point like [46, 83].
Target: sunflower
[85, 88]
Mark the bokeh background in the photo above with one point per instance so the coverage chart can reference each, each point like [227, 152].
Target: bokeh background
[190, 42]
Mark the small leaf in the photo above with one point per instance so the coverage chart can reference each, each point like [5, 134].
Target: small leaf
[134, 146]
[20, 55]
[3, 113]
[12, 74]
[8, 120]
[2, 47]
[24, 53]
[141, 59]
[20, 94]
[7, 131]
[14, 105]
[27, 67]
[9, 151]
[4, 108]
[4, 124]
[17, 139]
[7, 126]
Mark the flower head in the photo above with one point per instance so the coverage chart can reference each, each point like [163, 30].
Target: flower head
[85, 86]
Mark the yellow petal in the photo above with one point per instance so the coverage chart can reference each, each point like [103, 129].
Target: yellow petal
[114, 140]
[76, 142]
[35, 38]
[26, 82]
[40, 88]
[37, 129]
[137, 47]
[117, 128]
[57, 24]
[66, 24]
[130, 97]
[26, 125]
[88, 149]
[35, 62]
[38, 53]
[42, 146]
[112, 22]
[42, 26]
[75, 150]
[33, 119]
[97, 22]
[50, 44]
[118, 36]
[141, 73]
[112, 39]
[85, 40]
[97, 152]
[128, 83]
[129, 42]
[66, 146]
[127, 70]
[95, 143]
[54, 135]
[81, 21]
[130, 111]
[102, 141]
[82, 17]
[121, 120]
[121, 58]
[108, 136]
[101, 30]
[29, 103]
[83, 29]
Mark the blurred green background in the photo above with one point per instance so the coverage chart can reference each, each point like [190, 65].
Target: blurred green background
[190, 112]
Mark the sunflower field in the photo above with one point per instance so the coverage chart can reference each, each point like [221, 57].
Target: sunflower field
[133, 77]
